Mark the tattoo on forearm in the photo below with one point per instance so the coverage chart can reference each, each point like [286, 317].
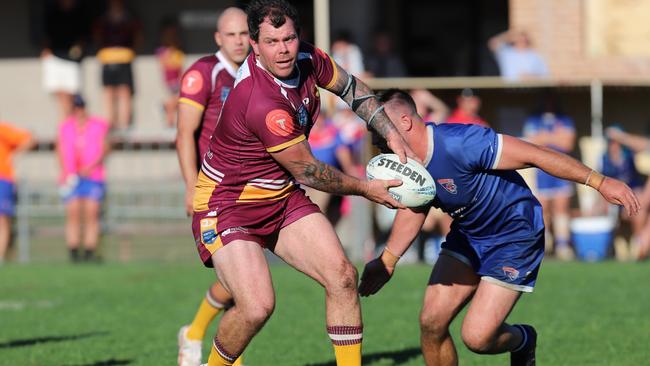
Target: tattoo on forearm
[380, 122]
[324, 177]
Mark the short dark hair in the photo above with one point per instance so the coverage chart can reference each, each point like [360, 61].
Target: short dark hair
[276, 10]
[399, 96]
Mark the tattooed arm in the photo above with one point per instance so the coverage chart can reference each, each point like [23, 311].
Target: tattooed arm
[366, 105]
[307, 170]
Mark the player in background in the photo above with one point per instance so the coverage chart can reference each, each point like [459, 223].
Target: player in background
[248, 196]
[496, 243]
[204, 89]
[551, 128]
[13, 140]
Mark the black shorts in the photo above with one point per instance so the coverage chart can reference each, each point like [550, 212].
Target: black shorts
[117, 74]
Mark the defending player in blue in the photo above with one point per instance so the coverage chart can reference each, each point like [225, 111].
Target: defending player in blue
[496, 244]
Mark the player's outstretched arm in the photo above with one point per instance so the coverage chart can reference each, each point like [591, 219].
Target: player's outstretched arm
[518, 154]
[366, 105]
[378, 271]
[307, 170]
[189, 119]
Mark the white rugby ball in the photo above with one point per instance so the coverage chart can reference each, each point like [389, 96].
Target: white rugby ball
[418, 187]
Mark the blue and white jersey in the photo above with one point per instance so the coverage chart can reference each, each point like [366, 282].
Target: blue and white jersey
[547, 122]
[487, 205]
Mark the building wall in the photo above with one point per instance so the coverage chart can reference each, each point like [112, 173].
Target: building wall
[559, 30]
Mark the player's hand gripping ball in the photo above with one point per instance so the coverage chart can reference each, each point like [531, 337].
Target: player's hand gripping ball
[418, 187]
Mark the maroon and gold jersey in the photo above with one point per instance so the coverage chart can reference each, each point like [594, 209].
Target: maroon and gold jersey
[206, 85]
[263, 115]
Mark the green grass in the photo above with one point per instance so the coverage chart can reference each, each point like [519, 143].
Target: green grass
[128, 314]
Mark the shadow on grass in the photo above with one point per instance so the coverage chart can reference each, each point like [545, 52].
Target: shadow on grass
[398, 357]
[34, 341]
[111, 362]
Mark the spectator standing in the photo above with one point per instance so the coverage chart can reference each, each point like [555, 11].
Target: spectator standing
[383, 62]
[82, 147]
[65, 27]
[551, 128]
[171, 58]
[117, 34]
[618, 162]
[430, 107]
[469, 104]
[517, 58]
[12, 140]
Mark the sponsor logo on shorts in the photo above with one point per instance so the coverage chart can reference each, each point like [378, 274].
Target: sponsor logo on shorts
[510, 272]
[280, 123]
[211, 214]
[233, 230]
[208, 222]
[448, 185]
[209, 236]
[192, 82]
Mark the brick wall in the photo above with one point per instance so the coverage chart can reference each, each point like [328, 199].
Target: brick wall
[557, 28]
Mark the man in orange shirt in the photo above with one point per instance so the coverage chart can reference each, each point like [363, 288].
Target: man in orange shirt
[12, 140]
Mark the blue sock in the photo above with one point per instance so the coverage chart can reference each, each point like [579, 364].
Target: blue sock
[524, 338]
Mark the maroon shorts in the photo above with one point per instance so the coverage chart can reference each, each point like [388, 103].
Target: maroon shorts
[259, 222]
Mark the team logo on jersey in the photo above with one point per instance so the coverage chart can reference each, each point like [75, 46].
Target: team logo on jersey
[192, 82]
[280, 122]
[511, 273]
[303, 116]
[224, 93]
[448, 185]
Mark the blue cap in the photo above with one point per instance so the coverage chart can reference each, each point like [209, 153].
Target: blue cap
[78, 101]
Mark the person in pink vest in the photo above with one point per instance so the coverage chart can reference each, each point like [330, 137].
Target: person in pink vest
[82, 148]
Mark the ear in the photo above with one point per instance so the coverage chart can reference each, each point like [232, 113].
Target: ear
[406, 122]
[217, 39]
[255, 45]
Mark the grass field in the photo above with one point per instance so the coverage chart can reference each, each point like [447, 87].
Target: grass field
[128, 314]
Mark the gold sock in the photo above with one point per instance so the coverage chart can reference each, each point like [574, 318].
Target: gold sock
[218, 359]
[347, 344]
[215, 359]
[348, 355]
[206, 313]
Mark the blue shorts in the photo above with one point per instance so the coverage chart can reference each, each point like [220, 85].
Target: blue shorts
[7, 198]
[549, 186]
[512, 265]
[88, 189]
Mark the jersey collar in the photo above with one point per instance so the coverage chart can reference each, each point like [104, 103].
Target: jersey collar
[291, 83]
[231, 70]
[430, 141]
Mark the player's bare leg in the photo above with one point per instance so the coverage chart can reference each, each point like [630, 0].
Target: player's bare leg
[73, 227]
[64, 100]
[109, 97]
[451, 285]
[311, 246]
[5, 235]
[244, 272]
[484, 330]
[561, 230]
[91, 210]
[124, 106]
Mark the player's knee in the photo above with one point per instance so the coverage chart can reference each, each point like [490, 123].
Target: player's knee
[433, 324]
[477, 341]
[259, 312]
[343, 278]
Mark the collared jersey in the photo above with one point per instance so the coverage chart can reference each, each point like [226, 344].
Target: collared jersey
[487, 205]
[263, 115]
[206, 85]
